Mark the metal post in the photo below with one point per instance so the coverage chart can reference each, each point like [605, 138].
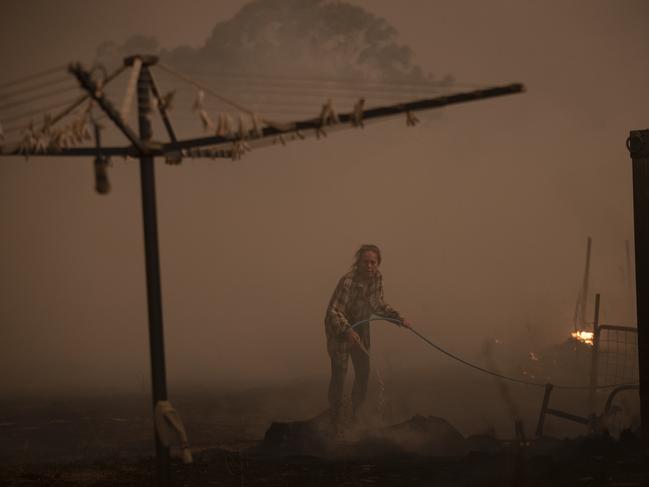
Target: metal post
[544, 409]
[154, 297]
[594, 363]
[638, 145]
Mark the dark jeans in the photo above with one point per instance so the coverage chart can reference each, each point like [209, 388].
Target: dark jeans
[339, 363]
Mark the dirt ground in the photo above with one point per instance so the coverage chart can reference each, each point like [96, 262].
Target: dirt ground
[582, 462]
[106, 440]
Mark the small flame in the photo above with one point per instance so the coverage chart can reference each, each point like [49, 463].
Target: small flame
[583, 336]
[534, 357]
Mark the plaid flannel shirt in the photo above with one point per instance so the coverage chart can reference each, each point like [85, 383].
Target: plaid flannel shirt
[354, 300]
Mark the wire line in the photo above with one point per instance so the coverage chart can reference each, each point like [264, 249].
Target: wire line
[38, 111]
[74, 105]
[204, 88]
[32, 76]
[38, 97]
[10, 94]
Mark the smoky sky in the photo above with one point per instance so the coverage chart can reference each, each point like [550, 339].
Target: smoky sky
[290, 37]
[482, 211]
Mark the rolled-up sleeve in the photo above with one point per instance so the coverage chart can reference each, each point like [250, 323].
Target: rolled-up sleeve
[380, 307]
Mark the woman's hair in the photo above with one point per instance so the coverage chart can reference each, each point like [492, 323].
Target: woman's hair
[364, 248]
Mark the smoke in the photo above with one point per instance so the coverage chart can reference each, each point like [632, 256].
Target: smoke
[481, 218]
[290, 37]
[503, 388]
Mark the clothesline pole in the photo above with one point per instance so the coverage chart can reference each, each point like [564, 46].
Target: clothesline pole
[152, 259]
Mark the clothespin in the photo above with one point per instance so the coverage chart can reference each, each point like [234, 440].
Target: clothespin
[411, 120]
[279, 138]
[69, 137]
[47, 124]
[24, 146]
[166, 101]
[237, 151]
[224, 127]
[84, 130]
[327, 117]
[239, 148]
[208, 124]
[40, 143]
[55, 139]
[198, 101]
[357, 118]
[242, 128]
[257, 129]
[62, 138]
[79, 131]
[28, 140]
[327, 114]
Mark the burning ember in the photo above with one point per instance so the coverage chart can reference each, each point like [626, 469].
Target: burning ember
[583, 336]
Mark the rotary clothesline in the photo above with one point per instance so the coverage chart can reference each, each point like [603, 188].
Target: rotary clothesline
[34, 138]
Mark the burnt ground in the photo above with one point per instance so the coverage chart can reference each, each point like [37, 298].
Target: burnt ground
[581, 462]
[107, 441]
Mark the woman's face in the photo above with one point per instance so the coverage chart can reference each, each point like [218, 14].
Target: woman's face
[368, 263]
